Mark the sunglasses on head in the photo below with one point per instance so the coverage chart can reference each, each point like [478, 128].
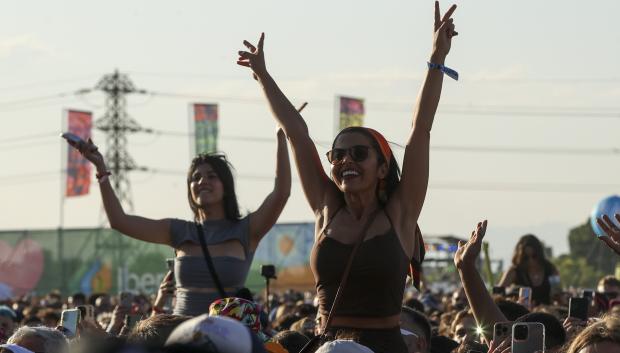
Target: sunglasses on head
[358, 153]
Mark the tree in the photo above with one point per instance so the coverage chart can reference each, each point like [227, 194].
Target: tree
[575, 271]
[583, 244]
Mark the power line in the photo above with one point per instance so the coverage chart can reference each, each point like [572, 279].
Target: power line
[28, 137]
[481, 111]
[451, 148]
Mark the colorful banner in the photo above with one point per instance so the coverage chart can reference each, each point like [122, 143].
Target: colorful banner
[97, 260]
[78, 168]
[351, 112]
[205, 118]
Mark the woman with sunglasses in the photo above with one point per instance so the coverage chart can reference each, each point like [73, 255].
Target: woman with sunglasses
[230, 238]
[530, 268]
[364, 182]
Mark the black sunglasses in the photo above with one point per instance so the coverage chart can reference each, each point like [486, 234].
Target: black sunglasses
[358, 153]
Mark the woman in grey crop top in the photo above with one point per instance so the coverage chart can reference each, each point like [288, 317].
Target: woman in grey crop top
[230, 238]
[365, 177]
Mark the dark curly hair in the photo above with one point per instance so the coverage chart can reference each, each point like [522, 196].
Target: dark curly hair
[222, 167]
[393, 176]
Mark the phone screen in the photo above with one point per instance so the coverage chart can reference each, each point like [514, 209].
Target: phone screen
[578, 308]
[71, 137]
[69, 320]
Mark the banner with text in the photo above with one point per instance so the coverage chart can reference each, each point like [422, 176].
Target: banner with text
[78, 168]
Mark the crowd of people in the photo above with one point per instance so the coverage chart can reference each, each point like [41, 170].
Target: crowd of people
[367, 244]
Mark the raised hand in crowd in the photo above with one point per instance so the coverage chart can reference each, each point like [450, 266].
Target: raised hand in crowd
[612, 232]
[573, 326]
[502, 346]
[255, 58]
[444, 31]
[482, 305]
[165, 293]
[118, 319]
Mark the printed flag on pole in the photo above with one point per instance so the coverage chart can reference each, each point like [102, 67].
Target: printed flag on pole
[78, 167]
[351, 112]
[205, 128]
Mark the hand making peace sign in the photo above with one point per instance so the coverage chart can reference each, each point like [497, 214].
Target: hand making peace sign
[444, 30]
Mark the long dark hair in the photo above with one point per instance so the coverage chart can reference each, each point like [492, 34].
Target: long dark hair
[529, 240]
[393, 176]
[223, 169]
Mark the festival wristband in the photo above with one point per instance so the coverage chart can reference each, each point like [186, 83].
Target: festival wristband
[446, 70]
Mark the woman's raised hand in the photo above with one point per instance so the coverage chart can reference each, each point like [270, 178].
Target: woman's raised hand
[444, 31]
[612, 237]
[254, 58]
[90, 152]
[468, 252]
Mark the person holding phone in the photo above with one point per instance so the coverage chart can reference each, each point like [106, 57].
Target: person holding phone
[365, 188]
[530, 268]
[230, 238]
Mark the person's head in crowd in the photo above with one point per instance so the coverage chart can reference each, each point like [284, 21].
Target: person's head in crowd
[510, 309]
[555, 336]
[528, 250]
[154, 331]
[305, 310]
[285, 322]
[217, 171]
[415, 329]
[241, 310]
[602, 336]
[292, 341]
[463, 327]
[445, 323]
[40, 339]
[216, 334]
[442, 344]
[459, 299]
[610, 286]
[305, 326]
[415, 304]
[76, 299]
[49, 317]
[103, 304]
[343, 346]
[31, 320]
[8, 319]
[53, 300]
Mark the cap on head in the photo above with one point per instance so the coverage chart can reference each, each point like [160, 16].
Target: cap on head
[217, 333]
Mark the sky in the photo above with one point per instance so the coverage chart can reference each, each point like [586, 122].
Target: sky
[536, 76]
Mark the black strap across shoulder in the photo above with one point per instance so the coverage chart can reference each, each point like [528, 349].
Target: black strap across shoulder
[209, 261]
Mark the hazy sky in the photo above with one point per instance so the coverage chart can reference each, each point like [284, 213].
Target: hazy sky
[535, 75]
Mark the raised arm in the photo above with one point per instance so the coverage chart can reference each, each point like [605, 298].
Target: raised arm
[409, 196]
[267, 214]
[153, 231]
[314, 181]
[485, 310]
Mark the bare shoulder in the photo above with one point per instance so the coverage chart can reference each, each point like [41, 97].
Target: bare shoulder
[332, 203]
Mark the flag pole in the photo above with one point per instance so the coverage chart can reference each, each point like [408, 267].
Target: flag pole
[61, 211]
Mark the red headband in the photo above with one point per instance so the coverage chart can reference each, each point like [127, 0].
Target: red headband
[386, 151]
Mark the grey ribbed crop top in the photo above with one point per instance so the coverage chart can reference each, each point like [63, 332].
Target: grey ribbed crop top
[192, 271]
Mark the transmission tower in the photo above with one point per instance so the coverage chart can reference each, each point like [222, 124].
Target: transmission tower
[116, 123]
